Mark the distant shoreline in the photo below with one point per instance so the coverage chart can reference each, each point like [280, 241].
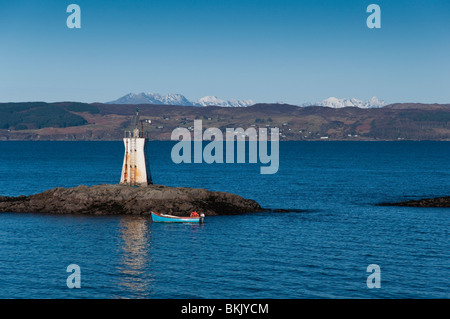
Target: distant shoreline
[282, 141]
[82, 121]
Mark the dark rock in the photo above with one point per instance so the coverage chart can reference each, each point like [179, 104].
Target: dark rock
[427, 202]
[128, 200]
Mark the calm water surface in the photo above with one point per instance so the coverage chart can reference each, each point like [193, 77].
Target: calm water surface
[320, 248]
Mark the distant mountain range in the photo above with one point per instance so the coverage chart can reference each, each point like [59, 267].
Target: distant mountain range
[179, 99]
[336, 103]
[213, 100]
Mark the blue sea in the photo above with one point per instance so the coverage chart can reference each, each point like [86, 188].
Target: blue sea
[319, 247]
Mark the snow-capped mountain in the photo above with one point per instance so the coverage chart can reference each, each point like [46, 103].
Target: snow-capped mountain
[374, 102]
[333, 102]
[178, 99]
[213, 100]
[153, 98]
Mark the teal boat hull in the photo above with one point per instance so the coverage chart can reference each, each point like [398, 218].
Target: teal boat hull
[164, 218]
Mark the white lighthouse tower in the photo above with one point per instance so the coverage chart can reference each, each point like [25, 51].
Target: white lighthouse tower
[135, 169]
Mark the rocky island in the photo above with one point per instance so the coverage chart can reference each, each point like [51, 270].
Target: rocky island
[128, 200]
[426, 202]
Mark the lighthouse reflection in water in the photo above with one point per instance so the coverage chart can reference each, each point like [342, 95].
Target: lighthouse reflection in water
[135, 253]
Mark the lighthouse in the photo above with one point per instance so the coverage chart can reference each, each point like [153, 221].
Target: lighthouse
[135, 169]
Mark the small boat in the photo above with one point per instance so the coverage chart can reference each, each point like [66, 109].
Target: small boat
[165, 218]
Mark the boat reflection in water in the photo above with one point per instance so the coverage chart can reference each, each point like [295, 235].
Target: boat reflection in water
[135, 278]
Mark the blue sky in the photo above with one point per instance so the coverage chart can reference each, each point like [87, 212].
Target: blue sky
[267, 51]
